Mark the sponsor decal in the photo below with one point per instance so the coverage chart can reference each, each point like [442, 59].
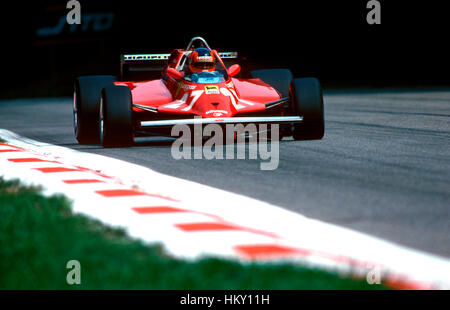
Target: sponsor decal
[187, 87]
[212, 89]
[204, 59]
[228, 55]
[217, 113]
[146, 57]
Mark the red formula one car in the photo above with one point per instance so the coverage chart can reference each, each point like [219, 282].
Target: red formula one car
[195, 87]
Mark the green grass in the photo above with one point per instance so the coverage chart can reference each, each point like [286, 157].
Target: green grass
[39, 235]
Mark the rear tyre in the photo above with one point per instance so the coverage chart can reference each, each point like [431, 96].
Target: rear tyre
[116, 117]
[86, 101]
[280, 79]
[307, 101]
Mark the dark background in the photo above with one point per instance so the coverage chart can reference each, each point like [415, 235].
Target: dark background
[327, 39]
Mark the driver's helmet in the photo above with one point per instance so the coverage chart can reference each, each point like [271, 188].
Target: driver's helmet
[201, 60]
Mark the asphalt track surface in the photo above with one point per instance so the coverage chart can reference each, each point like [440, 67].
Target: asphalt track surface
[383, 167]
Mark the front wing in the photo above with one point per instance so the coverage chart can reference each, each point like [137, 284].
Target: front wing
[221, 120]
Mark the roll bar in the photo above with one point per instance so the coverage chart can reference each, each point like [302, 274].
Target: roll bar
[197, 39]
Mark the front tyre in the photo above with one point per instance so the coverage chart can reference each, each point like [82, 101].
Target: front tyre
[116, 117]
[86, 100]
[307, 101]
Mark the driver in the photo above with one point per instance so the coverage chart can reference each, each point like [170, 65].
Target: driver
[201, 60]
[202, 67]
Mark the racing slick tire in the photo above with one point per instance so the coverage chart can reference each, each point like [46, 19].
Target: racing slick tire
[116, 116]
[280, 79]
[87, 90]
[307, 101]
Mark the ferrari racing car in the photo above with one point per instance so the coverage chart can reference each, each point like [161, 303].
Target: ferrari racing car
[194, 87]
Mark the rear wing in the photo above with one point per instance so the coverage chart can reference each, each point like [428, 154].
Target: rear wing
[134, 67]
[229, 58]
[142, 66]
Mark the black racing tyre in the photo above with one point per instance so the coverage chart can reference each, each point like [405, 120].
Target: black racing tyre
[86, 101]
[280, 79]
[116, 117]
[307, 101]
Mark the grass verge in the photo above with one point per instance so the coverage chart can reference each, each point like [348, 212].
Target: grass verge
[39, 235]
